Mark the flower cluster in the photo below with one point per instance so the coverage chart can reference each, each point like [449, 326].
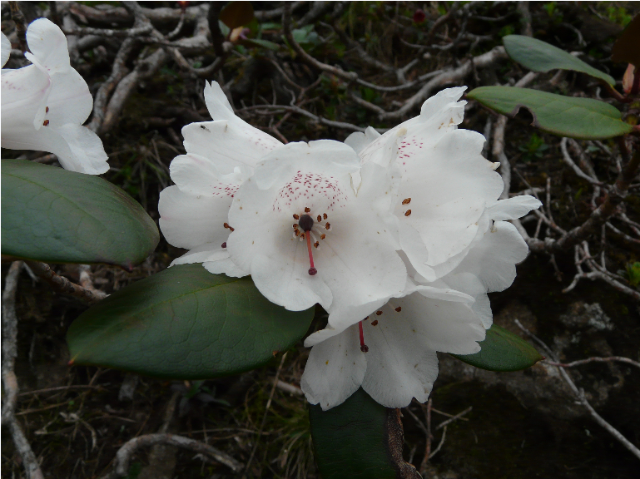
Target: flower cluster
[399, 237]
[45, 104]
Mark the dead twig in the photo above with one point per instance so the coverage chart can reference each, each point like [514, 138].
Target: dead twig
[63, 285]
[595, 360]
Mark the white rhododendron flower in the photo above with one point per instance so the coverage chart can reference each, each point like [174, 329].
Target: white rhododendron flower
[404, 229]
[458, 248]
[45, 104]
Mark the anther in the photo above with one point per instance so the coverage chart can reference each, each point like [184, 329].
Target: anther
[378, 313]
[296, 217]
[45, 123]
[307, 210]
[226, 225]
[324, 215]
[398, 309]
[406, 201]
[319, 218]
[374, 323]
[323, 236]
[407, 213]
[363, 347]
[316, 244]
[224, 245]
[328, 225]
[46, 110]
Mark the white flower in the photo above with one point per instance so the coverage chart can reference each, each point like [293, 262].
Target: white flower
[45, 104]
[458, 248]
[308, 236]
[221, 154]
[297, 224]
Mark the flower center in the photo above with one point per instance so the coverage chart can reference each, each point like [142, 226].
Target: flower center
[306, 223]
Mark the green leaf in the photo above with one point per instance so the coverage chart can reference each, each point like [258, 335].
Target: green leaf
[626, 49]
[539, 56]
[359, 439]
[59, 216]
[185, 323]
[502, 351]
[581, 118]
[236, 14]
[260, 43]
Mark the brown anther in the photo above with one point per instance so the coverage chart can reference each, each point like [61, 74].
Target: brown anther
[378, 313]
[295, 226]
[316, 244]
[46, 110]
[374, 323]
[231, 229]
[366, 318]
[307, 210]
[328, 226]
[323, 236]
[319, 218]
[407, 213]
[324, 215]
[297, 232]
[226, 226]
[296, 217]
[406, 201]
[45, 123]
[398, 309]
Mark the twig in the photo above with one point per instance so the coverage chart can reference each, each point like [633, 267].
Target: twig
[579, 393]
[123, 456]
[594, 360]
[9, 379]
[440, 444]
[63, 285]
[454, 418]
[21, 30]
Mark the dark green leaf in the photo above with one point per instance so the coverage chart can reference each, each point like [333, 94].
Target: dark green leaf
[539, 56]
[261, 43]
[626, 49]
[185, 323]
[58, 216]
[502, 351]
[581, 118]
[359, 439]
[236, 14]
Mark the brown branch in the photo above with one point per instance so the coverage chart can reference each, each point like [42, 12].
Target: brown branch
[594, 360]
[63, 285]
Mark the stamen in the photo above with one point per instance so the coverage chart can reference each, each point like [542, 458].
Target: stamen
[324, 215]
[224, 245]
[374, 323]
[312, 270]
[323, 236]
[378, 313]
[328, 225]
[307, 210]
[363, 347]
[407, 213]
[319, 218]
[398, 309]
[296, 217]
[316, 244]
[45, 123]
[406, 201]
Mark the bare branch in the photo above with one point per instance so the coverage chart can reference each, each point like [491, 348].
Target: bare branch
[63, 285]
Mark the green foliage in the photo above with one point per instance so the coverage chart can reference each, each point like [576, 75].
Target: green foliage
[351, 440]
[619, 15]
[581, 118]
[59, 216]
[502, 350]
[185, 323]
[540, 56]
[632, 273]
[535, 148]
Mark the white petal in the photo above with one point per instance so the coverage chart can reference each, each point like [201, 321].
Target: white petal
[358, 141]
[217, 102]
[24, 95]
[6, 49]
[444, 109]
[493, 258]
[189, 221]
[334, 370]
[513, 208]
[224, 265]
[471, 285]
[87, 154]
[198, 175]
[199, 254]
[227, 144]
[69, 100]
[48, 46]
